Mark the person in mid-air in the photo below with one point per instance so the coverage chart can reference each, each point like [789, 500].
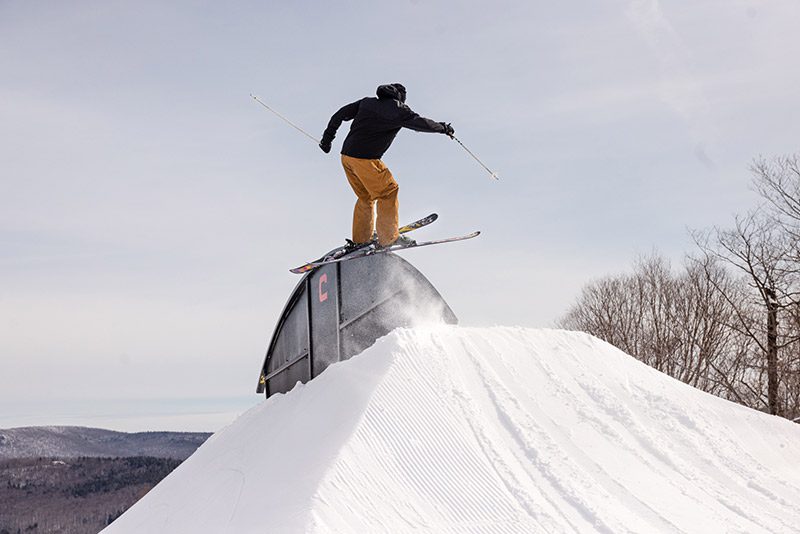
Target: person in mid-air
[376, 122]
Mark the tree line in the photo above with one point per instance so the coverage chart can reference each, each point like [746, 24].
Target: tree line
[728, 320]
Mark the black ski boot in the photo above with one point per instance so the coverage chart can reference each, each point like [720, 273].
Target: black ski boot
[350, 245]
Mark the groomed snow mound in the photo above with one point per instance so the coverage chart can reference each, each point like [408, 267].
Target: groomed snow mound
[452, 429]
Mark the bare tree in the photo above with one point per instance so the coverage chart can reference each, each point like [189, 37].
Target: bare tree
[608, 308]
[730, 322]
[758, 249]
[674, 323]
[712, 356]
[778, 182]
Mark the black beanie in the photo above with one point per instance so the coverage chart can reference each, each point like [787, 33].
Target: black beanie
[401, 89]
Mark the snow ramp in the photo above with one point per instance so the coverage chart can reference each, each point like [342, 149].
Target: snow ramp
[460, 430]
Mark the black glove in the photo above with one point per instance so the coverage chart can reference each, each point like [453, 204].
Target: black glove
[325, 146]
[448, 129]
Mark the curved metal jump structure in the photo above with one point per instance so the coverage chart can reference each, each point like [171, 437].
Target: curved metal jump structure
[340, 309]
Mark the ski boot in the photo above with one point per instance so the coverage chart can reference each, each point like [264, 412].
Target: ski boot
[351, 246]
[401, 241]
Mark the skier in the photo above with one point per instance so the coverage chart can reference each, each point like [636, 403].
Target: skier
[376, 122]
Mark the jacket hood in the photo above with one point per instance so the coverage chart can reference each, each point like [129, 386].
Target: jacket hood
[394, 91]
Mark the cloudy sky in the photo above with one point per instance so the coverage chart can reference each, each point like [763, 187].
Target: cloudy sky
[149, 209]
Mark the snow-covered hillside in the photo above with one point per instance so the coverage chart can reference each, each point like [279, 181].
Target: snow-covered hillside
[454, 429]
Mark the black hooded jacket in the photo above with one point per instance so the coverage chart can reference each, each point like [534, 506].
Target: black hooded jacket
[376, 122]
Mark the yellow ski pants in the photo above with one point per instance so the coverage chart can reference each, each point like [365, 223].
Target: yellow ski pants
[372, 183]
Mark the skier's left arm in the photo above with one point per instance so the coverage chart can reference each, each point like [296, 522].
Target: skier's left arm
[413, 121]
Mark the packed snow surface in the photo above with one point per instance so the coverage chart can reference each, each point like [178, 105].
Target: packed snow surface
[451, 429]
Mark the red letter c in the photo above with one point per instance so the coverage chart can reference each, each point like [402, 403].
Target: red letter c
[323, 280]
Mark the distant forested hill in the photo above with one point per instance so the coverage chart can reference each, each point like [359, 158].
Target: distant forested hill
[77, 480]
[72, 441]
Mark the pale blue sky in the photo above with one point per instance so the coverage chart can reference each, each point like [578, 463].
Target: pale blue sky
[149, 209]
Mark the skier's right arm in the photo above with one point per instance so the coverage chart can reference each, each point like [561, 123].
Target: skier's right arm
[347, 113]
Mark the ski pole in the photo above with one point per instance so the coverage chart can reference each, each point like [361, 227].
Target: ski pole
[492, 175]
[287, 121]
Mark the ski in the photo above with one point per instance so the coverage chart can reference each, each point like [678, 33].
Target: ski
[371, 249]
[425, 221]
[338, 252]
